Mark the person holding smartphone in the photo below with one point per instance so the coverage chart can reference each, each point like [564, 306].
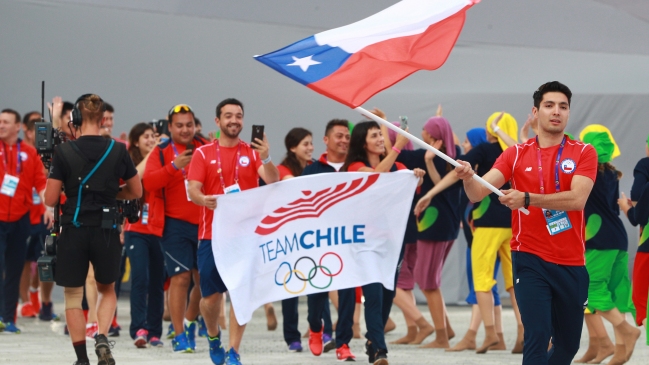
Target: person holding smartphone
[173, 217]
[226, 166]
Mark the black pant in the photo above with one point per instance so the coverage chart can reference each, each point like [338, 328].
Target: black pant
[346, 306]
[319, 312]
[147, 282]
[122, 271]
[291, 318]
[378, 303]
[551, 299]
[13, 249]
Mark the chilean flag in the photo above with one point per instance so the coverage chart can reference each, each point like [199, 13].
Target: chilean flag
[352, 63]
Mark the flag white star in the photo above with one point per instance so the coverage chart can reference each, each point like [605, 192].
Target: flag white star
[304, 62]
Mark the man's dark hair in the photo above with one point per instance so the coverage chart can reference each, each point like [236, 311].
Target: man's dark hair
[336, 122]
[29, 121]
[109, 108]
[548, 87]
[67, 108]
[197, 122]
[11, 111]
[228, 101]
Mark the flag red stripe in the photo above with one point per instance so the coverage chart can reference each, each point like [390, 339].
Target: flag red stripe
[383, 64]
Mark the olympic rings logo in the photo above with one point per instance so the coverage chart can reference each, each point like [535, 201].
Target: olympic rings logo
[294, 271]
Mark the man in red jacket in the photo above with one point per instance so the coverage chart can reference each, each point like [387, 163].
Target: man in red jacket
[21, 170]
[175, 218]
[29, 284]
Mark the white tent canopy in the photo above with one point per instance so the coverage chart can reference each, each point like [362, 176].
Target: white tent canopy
[145, 56]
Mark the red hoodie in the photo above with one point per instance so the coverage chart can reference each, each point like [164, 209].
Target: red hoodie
[29, 170]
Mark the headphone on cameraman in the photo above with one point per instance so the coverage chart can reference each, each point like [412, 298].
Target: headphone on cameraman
[76, 113]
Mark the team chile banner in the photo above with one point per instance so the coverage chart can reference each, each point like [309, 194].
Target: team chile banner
[310, 234]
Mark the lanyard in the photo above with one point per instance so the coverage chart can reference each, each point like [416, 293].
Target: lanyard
[6, 159]
[236, 165]
[176, 155]
[556, 165]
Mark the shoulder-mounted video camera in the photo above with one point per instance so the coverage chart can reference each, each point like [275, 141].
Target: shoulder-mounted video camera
[46, 138]
[129, 210]
[47, 263]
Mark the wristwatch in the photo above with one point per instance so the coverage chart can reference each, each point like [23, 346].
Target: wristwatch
[527, 200]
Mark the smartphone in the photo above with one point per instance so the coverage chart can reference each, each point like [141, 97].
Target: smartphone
[404, 122]
[190, 148]
[257, 132]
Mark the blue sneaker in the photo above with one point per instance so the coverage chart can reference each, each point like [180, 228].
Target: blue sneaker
[295, 347]
[232, 357]
[191, 334]
[217, 353]
[171, 333]
[328, 342]
[11, 328]
[181, 344]
[202, 329]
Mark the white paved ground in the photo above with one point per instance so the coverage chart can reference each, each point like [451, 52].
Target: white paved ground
[44, 343]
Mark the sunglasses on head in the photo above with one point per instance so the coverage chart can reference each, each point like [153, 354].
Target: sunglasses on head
[180, 108]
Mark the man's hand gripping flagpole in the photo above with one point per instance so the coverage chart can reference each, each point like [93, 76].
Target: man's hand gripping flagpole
[425, 145]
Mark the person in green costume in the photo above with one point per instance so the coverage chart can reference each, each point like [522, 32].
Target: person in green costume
[609, 291]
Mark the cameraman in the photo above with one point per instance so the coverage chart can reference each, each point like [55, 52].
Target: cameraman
[90, 168]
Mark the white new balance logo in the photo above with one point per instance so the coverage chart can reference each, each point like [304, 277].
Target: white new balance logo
[528, 168]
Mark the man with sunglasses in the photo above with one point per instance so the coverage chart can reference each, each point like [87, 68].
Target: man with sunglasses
[174, 217]
[226, 166]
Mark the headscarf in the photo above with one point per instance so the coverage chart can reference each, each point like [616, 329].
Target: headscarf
[507, 124]
[476, 136]
[393, 137]
[602, 139]
[439, 128]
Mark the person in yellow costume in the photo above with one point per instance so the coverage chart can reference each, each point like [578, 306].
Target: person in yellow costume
[492, 222]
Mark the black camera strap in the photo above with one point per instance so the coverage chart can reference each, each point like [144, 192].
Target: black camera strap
[85, 179]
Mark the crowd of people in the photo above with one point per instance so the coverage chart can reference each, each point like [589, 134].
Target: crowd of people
[569, 186]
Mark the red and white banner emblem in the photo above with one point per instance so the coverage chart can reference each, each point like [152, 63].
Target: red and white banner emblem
[310, 234]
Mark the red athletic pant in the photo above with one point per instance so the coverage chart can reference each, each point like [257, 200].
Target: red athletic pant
[640, 285]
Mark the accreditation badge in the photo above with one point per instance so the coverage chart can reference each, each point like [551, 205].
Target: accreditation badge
[9, 185]
[36, 198]
[234, 188]
[145, 214]
[557, 221]
[187, 190]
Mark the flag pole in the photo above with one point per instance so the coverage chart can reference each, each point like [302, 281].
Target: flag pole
[426, 146]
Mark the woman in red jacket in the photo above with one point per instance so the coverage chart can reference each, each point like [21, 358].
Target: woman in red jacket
[145, 254]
